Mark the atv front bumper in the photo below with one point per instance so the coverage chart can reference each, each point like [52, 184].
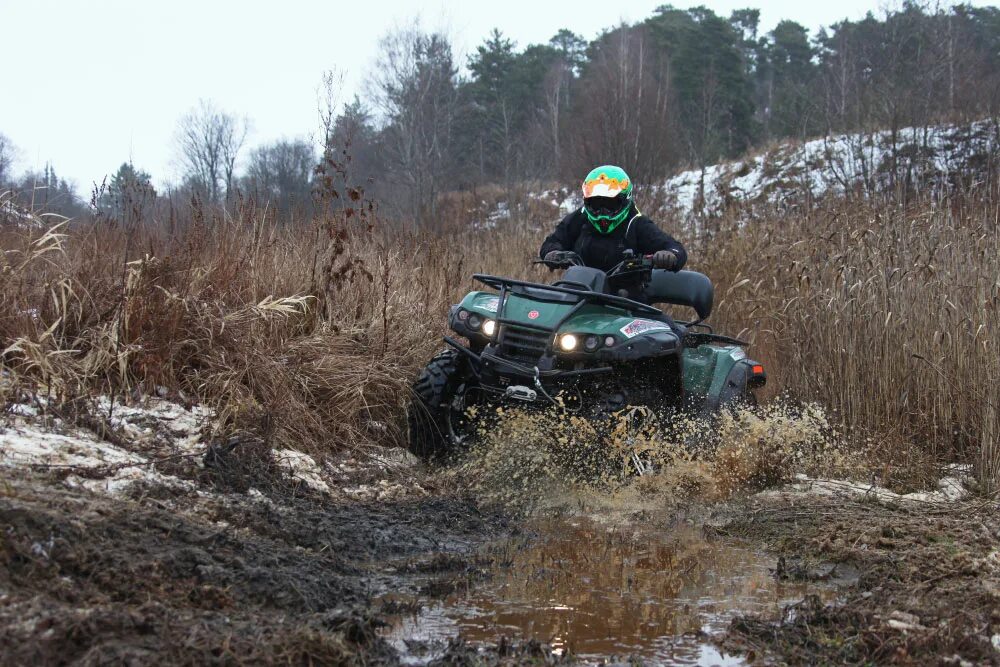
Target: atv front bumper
[509, 379]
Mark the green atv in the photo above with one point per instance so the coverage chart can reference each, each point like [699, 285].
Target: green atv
[591, 343]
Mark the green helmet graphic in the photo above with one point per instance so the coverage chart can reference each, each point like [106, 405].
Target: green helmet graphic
[607, 197]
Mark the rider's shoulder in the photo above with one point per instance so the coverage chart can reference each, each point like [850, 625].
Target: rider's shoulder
[641, 218]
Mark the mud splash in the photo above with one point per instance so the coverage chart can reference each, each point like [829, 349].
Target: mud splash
[526, 459]
[605, 568]
[597, 590]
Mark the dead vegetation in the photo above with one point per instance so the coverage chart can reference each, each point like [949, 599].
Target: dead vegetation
[882, 312]
[885, 313]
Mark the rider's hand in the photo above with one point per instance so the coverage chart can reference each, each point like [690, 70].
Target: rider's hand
[555, 256]
[559, 259]
[664, 259]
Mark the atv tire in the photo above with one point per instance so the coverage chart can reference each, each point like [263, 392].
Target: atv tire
[428, 419]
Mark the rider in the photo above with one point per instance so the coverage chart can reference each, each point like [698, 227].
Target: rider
[608, 224]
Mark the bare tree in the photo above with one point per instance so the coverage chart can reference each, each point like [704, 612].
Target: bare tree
[555, 87]
[634, 124]
[281, 174]
[208, 143]
[414, 91]
[328, 101]
[8, 154]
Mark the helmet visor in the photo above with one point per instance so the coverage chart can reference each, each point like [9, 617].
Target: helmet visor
[606, 207]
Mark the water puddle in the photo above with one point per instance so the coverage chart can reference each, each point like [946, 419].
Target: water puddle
[597, 591]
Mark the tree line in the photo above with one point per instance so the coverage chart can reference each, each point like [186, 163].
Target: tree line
[682, 88]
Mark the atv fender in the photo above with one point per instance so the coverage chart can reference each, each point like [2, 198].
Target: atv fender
[735, 388]
[717, 375]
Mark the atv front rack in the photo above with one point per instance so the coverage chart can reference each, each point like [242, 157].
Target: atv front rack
[585, 295]
[506, 286]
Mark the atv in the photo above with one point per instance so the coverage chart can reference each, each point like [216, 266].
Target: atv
[592, 343]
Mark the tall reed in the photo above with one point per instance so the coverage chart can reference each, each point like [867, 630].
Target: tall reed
[885, 313]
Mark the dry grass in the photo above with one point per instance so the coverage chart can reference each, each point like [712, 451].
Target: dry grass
[310, 335]
[885, 314]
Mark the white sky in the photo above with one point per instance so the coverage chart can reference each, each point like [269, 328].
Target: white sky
[86, 84]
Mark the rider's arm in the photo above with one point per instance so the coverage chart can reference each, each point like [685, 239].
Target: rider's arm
[563, 238]
[651, 238]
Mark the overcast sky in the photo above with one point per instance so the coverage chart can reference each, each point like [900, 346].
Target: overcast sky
[88, 84]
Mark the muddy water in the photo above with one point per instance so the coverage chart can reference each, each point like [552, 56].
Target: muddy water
[596, 590]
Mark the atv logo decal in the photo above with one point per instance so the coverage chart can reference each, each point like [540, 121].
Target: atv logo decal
[533, 315]
[490, 304]
[636, 327]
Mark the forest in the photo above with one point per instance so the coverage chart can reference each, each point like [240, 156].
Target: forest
[684, 88]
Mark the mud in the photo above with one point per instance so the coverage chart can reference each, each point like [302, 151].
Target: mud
[197, 578]
[535, 550]
[600, 590]
[928, 591]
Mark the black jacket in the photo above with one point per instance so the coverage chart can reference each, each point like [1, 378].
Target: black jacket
[604, 251]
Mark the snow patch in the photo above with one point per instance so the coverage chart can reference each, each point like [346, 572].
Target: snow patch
[303, 468]
[384, 490]
[181, 426]
[951, 488]
[148, 434]
[922, 157]
[163, 429]
[566, 200]
[12, 214]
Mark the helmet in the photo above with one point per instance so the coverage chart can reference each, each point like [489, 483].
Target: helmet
[607, 197]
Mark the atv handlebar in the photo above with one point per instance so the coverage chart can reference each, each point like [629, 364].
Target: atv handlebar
[629, 264]
[567, 258]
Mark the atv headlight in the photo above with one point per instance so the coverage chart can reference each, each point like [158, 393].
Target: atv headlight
[591, 343]
[568, 342]
[474, 321]
[489, 327]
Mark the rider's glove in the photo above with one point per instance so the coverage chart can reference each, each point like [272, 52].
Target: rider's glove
[558, 259]
[555, 256]
[664, 259]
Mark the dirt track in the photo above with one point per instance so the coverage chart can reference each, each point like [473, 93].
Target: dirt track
[928, 591]
[228, 579]
[192, 578]
[239, 561]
